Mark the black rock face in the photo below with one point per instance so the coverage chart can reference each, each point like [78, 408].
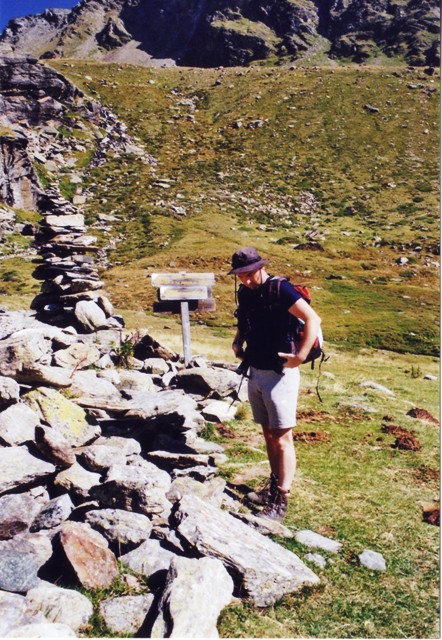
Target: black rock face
[211, 33]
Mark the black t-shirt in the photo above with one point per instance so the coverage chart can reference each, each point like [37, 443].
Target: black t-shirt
[264, 321]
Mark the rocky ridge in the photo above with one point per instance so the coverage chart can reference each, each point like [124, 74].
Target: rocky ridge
[221, 32]
[47, 126]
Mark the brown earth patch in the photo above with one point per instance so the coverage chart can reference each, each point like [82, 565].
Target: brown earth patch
[422, 414]
[310, 415]
[431, 513]
[224, 430]
[405, 440]
[311, 436]
[426, 474]
[393, 429]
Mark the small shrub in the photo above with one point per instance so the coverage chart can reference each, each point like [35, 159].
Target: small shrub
[125, 349]
[416, 372]
[242, 412]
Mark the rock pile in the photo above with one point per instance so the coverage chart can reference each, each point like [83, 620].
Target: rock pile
[71, 292]
[115, 469]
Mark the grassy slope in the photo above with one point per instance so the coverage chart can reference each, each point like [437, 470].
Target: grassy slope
[374, 177]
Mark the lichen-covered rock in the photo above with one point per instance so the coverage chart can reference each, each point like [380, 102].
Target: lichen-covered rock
[62, 415]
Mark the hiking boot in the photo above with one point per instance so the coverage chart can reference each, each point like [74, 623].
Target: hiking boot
[276, 509]
[264, 495]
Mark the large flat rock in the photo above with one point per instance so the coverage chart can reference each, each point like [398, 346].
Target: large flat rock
[266, 570]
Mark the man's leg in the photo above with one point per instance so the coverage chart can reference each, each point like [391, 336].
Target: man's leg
[282, 456]
[271, 454]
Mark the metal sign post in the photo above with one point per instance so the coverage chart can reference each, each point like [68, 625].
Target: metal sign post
[185, 328]
[183, 287]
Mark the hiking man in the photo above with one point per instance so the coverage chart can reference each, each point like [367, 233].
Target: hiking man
[265, 315]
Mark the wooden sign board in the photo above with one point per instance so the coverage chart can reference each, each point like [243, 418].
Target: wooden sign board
[185, 288]
[181, 292]
[183, 279]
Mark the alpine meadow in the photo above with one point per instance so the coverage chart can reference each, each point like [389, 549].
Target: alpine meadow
[332, 172]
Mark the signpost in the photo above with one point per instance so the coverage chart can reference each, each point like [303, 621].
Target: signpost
[182, 287]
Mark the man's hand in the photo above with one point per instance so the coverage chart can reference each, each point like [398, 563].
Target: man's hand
[291, 360]
[238, 349]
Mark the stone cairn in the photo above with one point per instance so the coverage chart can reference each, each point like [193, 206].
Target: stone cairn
[71, 293]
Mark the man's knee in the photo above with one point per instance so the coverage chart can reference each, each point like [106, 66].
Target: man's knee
[280, 437]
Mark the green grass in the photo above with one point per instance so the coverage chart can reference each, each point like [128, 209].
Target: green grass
[357, 489]
[373, 178]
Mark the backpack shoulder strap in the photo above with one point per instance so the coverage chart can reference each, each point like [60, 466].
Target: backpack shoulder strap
[274, 288]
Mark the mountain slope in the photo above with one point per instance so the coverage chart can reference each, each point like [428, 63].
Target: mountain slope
[210, 33]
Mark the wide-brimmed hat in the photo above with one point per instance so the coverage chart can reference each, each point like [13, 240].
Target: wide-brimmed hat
[246, 259]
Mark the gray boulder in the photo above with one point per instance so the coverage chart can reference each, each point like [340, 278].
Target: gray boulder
[64, 606]
[87, 384]
[17, 512]
[53, 513]
[77, 356]
[368, 384]
[120, 527]
[372, 560]
[19, 564]
[265, 570]
[9, 392]
[17, 425]
[148, 558]
[16, 612]
[42, 630]
[316, 541]
[208, 381]
[135, 381]
[181, 616]
[139, 486]
[125, 615]
[54, 446]
[18, 469]
[90, 315]
[77, 480]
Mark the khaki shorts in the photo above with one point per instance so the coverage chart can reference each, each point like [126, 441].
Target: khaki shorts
[274, 396]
